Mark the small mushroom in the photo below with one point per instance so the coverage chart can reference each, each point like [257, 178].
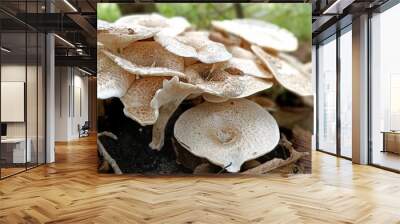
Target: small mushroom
[229, 133]
[112, 81]
[194, 45]
[152, 54]
[165, 101]
[141, 70]
[137, 100]
[286, 74]
[258, 32]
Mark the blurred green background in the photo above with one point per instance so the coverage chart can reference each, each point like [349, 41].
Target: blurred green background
[295, 17]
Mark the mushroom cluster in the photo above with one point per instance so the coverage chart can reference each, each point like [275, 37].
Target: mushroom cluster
[153, 63]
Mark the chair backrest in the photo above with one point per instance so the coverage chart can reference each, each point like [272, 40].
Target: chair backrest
[86, 125]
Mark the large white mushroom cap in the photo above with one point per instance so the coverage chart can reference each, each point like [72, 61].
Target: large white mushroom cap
[258, 32]
[229, 133]
[115, 37]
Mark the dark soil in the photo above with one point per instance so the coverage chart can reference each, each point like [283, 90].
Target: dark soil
[132, 152]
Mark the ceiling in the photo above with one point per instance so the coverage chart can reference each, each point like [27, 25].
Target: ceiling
[331, 15]
[72, 20]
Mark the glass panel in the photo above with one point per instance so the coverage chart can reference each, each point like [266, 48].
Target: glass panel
[385, 84]
[13, 87]
[23, 89]
[327, 96]
[346, 94]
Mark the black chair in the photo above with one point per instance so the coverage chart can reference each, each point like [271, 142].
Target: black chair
[84, 130]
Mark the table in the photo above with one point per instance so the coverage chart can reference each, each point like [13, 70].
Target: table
[391, 141]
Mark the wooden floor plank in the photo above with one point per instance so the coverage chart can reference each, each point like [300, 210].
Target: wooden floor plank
[71, 191]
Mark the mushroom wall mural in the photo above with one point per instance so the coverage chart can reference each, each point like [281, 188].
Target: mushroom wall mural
[178, 99]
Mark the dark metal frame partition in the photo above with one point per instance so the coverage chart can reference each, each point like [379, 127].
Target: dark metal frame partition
[338, 34]
[44, 77]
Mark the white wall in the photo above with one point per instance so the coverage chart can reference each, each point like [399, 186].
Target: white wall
[33, 127]
[61, 103]
[12, 73]
[69, 82]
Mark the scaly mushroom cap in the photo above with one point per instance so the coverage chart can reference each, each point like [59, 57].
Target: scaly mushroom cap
[286, 74]
[157, 23]
[137, 100]
[142, 70]
[229, 133]
[112, 81]
[115, 37]
[152, 54]
[227, 82]
[195, 45]
[258, 32]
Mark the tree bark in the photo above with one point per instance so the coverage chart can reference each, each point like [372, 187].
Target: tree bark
[238, 10]
[127, 9]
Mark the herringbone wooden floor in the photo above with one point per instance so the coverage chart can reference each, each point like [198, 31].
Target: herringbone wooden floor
[71, 191]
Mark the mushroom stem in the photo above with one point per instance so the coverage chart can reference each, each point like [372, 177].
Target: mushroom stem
[166, 101]
[165, 112]
[104, 152]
